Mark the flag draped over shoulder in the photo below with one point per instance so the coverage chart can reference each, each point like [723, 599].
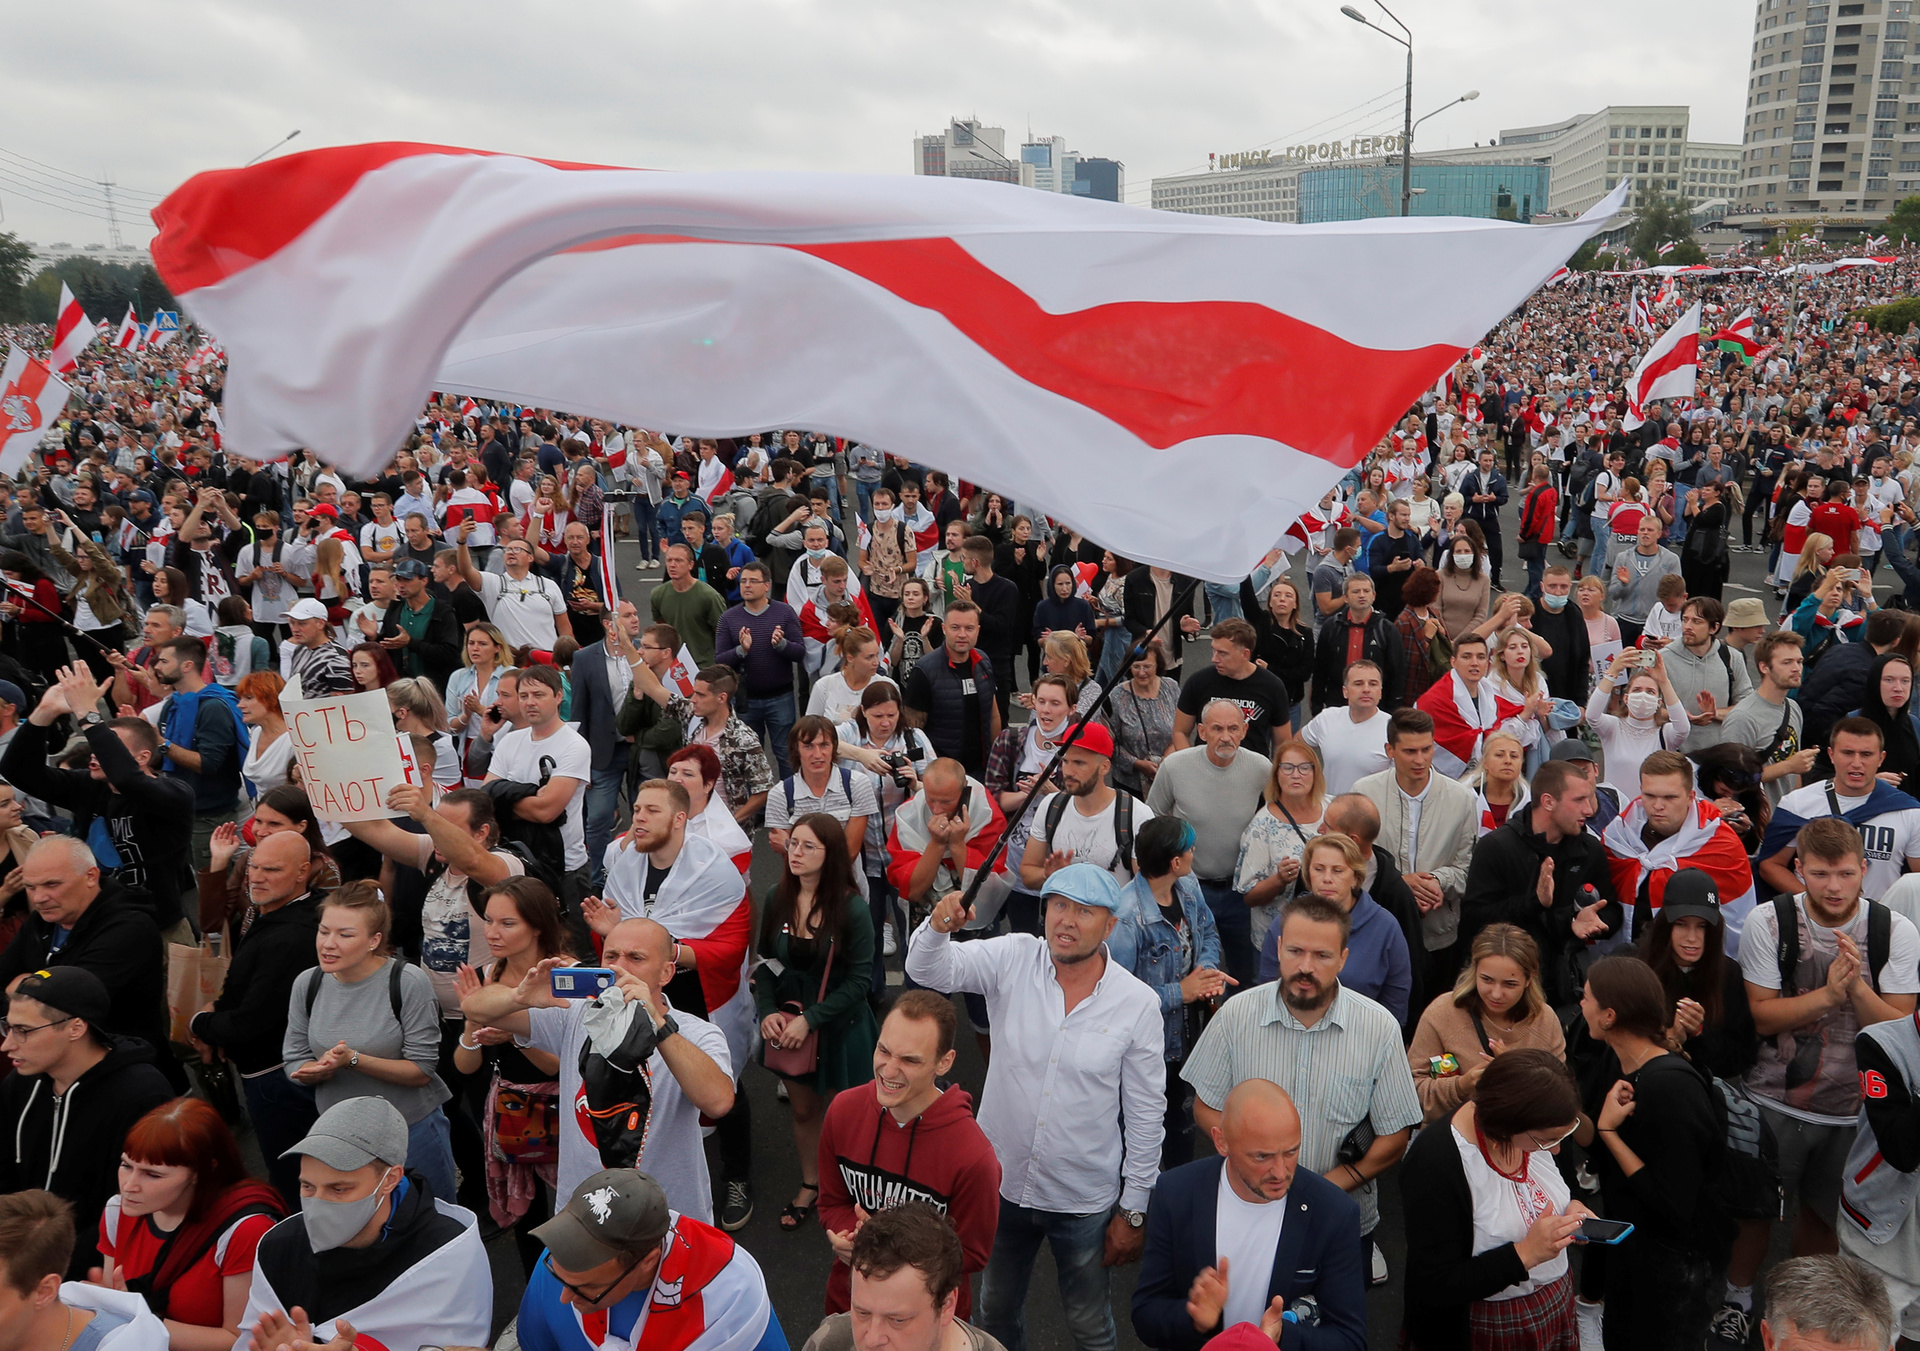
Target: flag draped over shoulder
[1785, 823]
[1461, 722]
[1704, 842]
[1035, 342]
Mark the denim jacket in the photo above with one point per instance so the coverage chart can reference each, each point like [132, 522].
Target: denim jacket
[1147, 946]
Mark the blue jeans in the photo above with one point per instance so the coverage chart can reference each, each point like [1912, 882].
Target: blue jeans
[880, 894]
[1904, 569]
[644, 528]
[1235, 923]
[430, 1154]
[1678, 530]
[1078, 1243]
[1536, 570]
[864, 491]
[773, 717]
[282, 1113]
[603, 806]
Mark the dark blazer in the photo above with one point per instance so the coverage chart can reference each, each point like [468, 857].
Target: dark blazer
[1319, 1254]
[1485, 514]
[596, 705]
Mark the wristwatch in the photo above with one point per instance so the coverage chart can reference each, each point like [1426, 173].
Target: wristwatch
[353, 1061]
[1135, 1218]
[667, 1028]
[93, 719]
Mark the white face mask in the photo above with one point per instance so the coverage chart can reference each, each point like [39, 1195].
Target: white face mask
[1462, 560]
[1643, 703]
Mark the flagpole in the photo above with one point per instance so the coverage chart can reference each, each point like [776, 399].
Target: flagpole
[1120, 672]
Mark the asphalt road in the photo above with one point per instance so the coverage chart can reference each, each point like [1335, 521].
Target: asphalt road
[796, 1265]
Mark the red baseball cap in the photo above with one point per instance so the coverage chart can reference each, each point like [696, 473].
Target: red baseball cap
[1096, 738]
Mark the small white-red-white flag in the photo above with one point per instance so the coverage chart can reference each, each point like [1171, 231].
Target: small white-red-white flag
[73, 333]
[31, 397]
[1560, 275]
[680, 674]
[1665, 249]
[1668, 370]
[129, 334]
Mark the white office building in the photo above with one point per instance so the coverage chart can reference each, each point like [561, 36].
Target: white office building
[1260, 191]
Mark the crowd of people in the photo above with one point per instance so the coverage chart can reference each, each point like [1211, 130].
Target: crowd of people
[1581, 913]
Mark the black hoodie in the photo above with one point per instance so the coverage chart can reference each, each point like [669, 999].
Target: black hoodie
[1502, 884]
[249, 1019]
[149, 818]
[116, 939]
[70, 1145]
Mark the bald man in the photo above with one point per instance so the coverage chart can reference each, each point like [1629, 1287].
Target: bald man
[79, 917]
[1240, 1237]
[273, 944]
[690, 1067]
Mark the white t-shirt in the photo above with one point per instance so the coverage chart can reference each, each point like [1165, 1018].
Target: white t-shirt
[384, 538]
[1247, 1236]
[268, 763]
[1349, 751]
[272, 594]
[517, 756]
[832, 700]
[1090, 838]
[524, 609]
[1504, 1210]
[674, 1152]
[1891, 838]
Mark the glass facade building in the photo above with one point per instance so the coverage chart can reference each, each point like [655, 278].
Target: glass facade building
[1361, 191]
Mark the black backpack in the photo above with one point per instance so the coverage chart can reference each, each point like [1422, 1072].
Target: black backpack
[1879, 941]
[537, 844]
[394, 968]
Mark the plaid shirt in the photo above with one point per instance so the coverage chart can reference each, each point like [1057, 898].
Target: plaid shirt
[1414, 640]
[744, 769]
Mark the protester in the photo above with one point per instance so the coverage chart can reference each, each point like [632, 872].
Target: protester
[37, 1232]
[1249, 1235]
[184, 1226]
[1092, 1136]
[372, 1253]
[1142, 712]
[1498, 1005]
[867, 1170]
[1712, 1019]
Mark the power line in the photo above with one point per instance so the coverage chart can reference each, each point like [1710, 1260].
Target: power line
[27, 166]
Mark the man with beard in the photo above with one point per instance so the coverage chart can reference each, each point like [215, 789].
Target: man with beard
[1074, 1105]
[1334, 868]
[1275, 1032]
[692, 886]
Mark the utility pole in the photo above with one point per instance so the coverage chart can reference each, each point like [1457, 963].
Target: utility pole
[113, 217]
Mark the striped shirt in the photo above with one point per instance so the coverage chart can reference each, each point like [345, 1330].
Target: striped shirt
[1347, 1068]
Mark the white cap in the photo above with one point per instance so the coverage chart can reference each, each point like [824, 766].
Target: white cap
[307, 609]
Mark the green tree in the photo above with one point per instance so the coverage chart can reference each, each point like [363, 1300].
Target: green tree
[16, 258]
[1665, 220]
[1903, 222]
[104, 290]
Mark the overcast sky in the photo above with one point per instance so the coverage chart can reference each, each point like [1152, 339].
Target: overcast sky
[149, 95]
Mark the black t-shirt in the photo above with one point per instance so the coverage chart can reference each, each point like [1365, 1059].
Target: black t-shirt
[1262, 697]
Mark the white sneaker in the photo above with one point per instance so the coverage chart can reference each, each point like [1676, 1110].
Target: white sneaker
[888, 943]
[1379, 1274]
[1589, 1317]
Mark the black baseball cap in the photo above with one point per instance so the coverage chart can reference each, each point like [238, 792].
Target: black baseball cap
[1691, 894]
[1573, 748]
[71, 990]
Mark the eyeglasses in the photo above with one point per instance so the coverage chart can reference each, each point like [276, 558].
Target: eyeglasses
[8, 1029]
[580, 1292]
[1548, 1145]
[1286, 768]
[796, 845]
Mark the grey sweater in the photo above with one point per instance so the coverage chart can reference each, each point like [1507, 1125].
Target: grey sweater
[1720, 673]
[1637, 597]
[1217, 802]
[361, 1015]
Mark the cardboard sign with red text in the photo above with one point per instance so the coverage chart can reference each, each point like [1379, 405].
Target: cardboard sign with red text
[348, 754]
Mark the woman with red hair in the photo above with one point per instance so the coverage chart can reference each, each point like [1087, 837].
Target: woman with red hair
[373, 668]
[182, 1230]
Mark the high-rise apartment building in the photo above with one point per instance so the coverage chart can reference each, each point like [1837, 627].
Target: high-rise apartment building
[1830, 131]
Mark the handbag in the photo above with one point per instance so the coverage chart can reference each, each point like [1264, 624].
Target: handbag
[799, 1061]
[194, 978]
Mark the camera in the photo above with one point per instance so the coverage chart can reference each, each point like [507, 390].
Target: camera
[896, 763]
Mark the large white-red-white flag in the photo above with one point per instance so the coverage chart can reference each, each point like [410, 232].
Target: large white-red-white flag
[129, 334]
[1090, 357]
[73, 333]
[31, 397]
[1668, 370]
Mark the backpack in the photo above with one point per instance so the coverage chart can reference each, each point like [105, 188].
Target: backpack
[538, 844]
[1879, 940]
[1745, 1183]
[846, 786]
[394, 968]
[1122, 824]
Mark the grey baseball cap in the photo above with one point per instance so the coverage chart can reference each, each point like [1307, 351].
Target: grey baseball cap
[355, 1133]
[616, 1214]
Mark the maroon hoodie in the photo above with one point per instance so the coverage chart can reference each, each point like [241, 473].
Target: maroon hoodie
[941, 1157]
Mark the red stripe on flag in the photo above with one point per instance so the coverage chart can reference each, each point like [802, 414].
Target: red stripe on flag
[212, 226]
[1686, 352]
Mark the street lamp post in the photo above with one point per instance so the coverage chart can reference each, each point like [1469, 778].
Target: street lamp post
[1406, 133]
